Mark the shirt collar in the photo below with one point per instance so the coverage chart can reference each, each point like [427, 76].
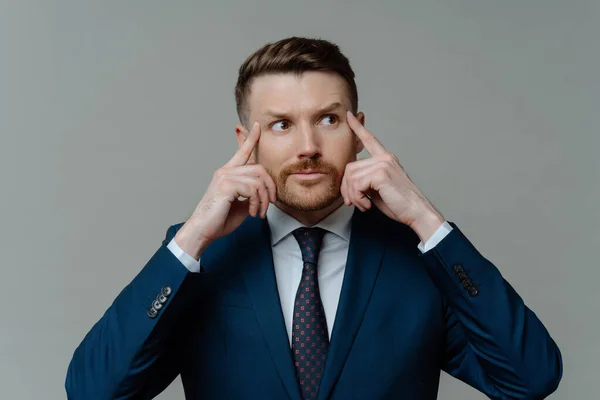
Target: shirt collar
[282, 224]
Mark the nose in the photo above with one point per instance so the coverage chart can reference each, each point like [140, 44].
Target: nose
[309, 143]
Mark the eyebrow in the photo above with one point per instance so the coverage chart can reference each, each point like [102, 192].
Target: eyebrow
[283, 115]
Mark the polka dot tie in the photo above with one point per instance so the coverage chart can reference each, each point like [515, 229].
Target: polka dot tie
[310, 338]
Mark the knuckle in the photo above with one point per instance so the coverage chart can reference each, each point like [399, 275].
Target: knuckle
[259, 167]
[380, 174]
[383, 164]
[257, 184]
[251, 188]
[219, 173]
[263, 171]
[362, 183]
[226, 187]
[256, 170]
[349, 173]
[389, 157]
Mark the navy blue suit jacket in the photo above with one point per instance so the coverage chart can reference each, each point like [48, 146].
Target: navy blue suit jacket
[403, 317]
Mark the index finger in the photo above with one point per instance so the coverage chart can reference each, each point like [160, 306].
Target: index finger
[242, 156]
[371, 143]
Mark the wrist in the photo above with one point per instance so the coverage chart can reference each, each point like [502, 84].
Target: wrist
[188, 240]
[427, 223]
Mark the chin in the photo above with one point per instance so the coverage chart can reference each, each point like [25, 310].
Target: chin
[307, 199]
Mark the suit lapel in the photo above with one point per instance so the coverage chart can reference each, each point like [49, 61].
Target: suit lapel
[261, 284]
[364, 259]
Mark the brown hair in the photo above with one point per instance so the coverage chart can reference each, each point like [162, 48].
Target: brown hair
[292, 55]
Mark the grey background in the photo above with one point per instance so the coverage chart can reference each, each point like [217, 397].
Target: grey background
[114, 115]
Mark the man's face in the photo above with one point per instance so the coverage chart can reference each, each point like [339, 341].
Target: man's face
[303, 128]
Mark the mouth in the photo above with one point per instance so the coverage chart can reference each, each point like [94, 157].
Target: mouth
[308, 175]
[309, 171]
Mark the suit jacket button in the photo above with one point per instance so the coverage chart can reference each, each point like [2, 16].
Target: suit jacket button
[157, 305]
[467, 283]
[152, 313]
[162, 299]
[462, 276]
[166, 291]
[458, 268]
[473, 291]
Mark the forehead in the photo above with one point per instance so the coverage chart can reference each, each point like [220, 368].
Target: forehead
[297, 93]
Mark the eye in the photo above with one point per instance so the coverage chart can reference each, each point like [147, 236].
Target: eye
[280, 126]
[330, 119]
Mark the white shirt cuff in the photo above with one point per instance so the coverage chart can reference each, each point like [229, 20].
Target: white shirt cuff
[188, 261]
[437, 237]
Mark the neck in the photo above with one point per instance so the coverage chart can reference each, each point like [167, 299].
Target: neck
[310, 218]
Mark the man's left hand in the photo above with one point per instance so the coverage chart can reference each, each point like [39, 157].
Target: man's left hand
[382, 179]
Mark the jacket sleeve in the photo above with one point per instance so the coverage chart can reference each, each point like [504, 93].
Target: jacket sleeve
[494, 342]
[130, 353]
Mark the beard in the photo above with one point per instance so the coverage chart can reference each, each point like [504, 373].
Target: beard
[308, 195]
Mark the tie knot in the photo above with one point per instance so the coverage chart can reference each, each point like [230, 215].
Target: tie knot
[309, 240]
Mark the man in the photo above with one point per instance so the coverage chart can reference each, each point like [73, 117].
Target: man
[306, 274]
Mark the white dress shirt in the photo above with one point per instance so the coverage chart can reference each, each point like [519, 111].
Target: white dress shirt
[287, 258]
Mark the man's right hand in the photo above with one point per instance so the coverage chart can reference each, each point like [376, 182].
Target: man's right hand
[221, 210]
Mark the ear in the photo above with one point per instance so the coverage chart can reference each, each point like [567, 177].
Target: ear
[359, 144]
[242, 133]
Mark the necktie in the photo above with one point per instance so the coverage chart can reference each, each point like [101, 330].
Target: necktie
[310, 339]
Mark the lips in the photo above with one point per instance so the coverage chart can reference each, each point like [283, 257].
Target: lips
[309, 175]
[308, 172]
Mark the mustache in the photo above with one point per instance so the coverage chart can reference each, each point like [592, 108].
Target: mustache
[309, 164]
